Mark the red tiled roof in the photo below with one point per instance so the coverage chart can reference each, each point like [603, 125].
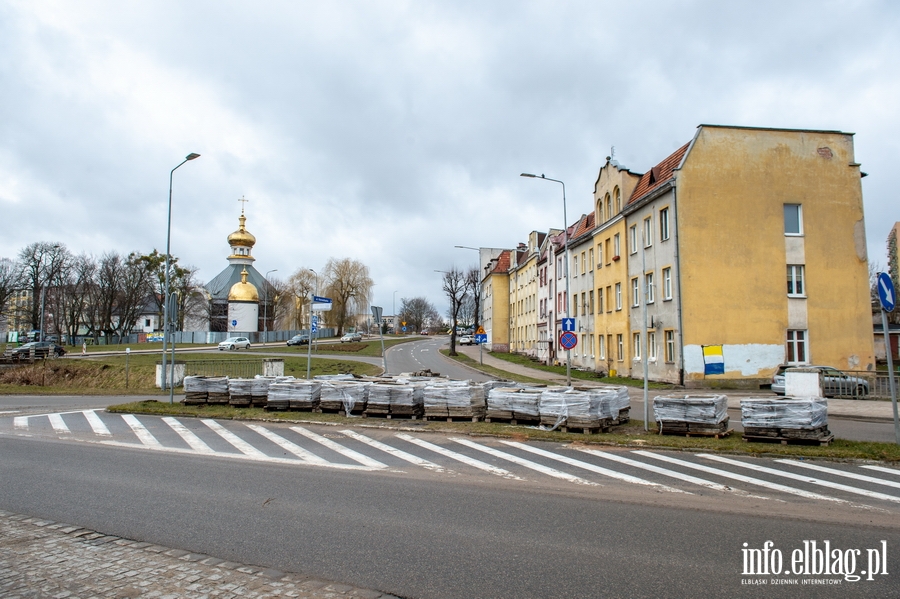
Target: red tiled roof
[658, 175]
[502, 262]
[584, 224]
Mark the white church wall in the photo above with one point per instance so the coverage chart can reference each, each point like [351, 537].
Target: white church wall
[243, 317]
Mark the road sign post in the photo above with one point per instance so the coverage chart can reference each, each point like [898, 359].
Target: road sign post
[480, 339]
[376, 314]
[888, 298]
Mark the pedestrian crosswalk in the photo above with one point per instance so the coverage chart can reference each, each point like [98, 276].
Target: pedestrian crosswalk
[381, 449]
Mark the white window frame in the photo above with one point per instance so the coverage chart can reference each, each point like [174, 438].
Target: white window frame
[601, 347]
[799, 231]
[618, 296]
[599, 255]
[795, 280]
[632, 233]
[620, 347]
[667, 283]
[635, 293]
[669, 336]
[651, 346]
[617, 246]
[648, 231]
[636, 343]
[648, 285]
[797, 343]
[664, 223]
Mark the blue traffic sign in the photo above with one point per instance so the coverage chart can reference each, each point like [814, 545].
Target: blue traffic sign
[886, 292]
[314, 327]
[321, 300]
[234, 323]
[568, 324]
[482, 338]
[568, 340]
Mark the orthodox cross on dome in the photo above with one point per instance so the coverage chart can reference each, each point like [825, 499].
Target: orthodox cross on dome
[243, 203]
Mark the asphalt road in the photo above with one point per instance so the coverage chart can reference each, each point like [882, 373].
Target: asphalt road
[415, 534]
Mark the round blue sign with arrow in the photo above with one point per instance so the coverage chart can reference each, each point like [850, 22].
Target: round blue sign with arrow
[886, 292]
[568, 340]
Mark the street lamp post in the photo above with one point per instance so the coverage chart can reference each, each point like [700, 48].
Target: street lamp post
[309, 341]
[394, 314]
[266, 306]
[166, 323]
[566, 238]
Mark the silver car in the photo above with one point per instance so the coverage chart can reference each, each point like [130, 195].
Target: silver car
[233, 343]
[834, 382]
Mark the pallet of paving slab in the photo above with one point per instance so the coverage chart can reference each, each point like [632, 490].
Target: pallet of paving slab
[356, 410]
[694, 429]
[587, 430]
[811, 434]
[240, 401]
[389, 415]
[194, 398]
[623, 417]
[514, 421]
[453, 418]
[824, 440]
[259, 401]
[217, 398]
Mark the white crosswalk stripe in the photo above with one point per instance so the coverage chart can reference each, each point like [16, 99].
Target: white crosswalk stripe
[740, 477]
[143, 435]
[238, 443]
[394, 451]
[195, 442]
[306, 456]
[893, 471]
[21, 422]
[97, 425]
[523, 462]
[834, 471]
[353, 455]
[58, 424]
[800, 478]
[458, 456]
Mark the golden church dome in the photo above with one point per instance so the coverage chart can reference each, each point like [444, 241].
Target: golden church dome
[242, 237]
[243, 291]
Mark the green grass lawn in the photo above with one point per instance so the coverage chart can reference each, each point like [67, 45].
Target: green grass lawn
[371, 347]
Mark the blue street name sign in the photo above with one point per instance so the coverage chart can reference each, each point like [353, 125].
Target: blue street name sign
[568, 324]
[886, 292]
[321, 300]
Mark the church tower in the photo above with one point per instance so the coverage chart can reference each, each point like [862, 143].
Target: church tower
[234, 294]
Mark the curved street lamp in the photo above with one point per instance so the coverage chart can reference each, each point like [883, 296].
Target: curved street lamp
[566, 238]
[190, 156]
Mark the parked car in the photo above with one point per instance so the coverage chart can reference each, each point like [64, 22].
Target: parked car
[41, 350]
[235, 343]
[351, 337]
[467, 340]
[834, 382]
[298, 340]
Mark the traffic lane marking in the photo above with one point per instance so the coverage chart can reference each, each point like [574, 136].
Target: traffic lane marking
[459, 457]
[800, 478]
[526, 463]
[740, 477]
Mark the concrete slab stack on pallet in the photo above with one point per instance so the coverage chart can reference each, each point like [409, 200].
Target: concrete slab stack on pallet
[454, 400]
[514, 404]
[395, 400]
[344, 396]
[788, 420]
[700, 415]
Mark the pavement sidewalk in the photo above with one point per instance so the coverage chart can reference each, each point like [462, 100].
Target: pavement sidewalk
[856, 409]
[40, 558]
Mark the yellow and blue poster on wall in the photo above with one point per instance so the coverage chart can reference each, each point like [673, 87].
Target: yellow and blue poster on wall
[713, 360]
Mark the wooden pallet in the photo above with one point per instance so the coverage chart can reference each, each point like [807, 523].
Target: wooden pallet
[823, 441]
[444, 418]
[694, 429]
[529, 420]
[587, 430]
[821, 435]
[390, 416]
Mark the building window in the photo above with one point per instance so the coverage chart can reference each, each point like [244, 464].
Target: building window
[618, 200]
[620, 347]
[575, 264]
[575, 307]
[559, 267]
[600, 255]
[618, 296]
[795, 280]
[584, 304]
[651, 346]
[599, 300]
[608, 207]
[601, 347]
[670, 345]
[591, 302]
[648, 232]
[632, 232]
[591, 259]
[636, 345]
[146, 322]
[648, 285]
[617, 250]
[793, 219]
[663, 224]
[582, 262]
[797, 350]
[667, 283]
[635, 293]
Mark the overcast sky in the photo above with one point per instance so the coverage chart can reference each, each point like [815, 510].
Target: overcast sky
[389, 132]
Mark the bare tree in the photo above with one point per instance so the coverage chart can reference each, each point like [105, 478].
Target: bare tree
[454, 285]
[38, 263]
[473, 283]
[416, 312]
[193, 305]
[348, 284]
[300, 286]
[9, 284]
[76, 284]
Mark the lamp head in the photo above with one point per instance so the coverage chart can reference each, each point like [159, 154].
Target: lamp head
[528, 175]
[191, 156]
